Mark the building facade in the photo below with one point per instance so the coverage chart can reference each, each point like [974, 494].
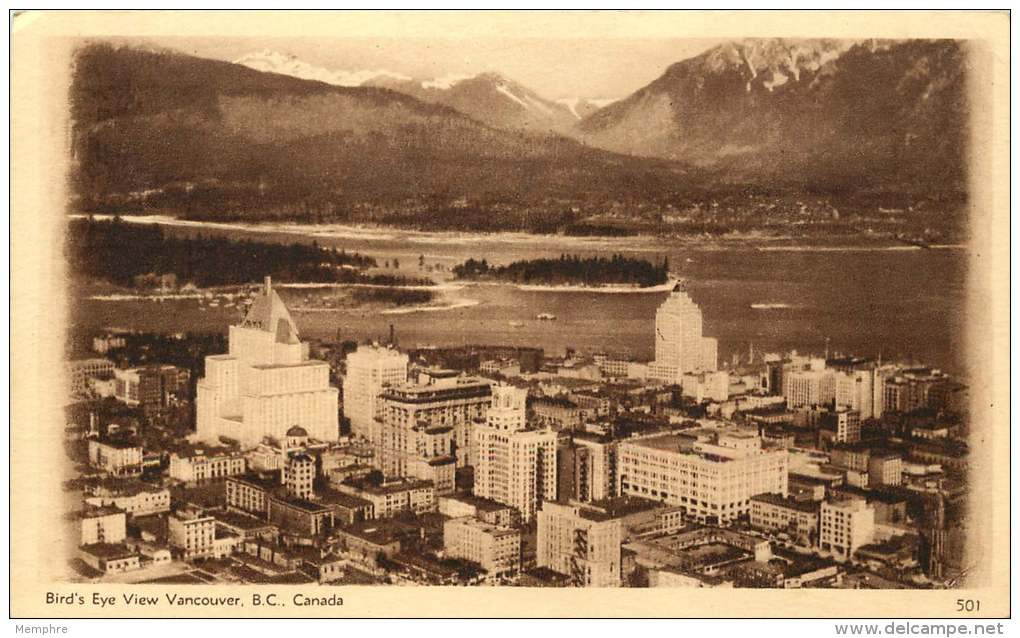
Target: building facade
[425, 428]
[266, 384]
[580, 542]
[678, 336]
[497, 549]
[711, 473]
[846, 524]
[514, 466]
[369, 370]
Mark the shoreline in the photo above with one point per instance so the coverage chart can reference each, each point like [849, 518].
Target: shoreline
[639, 242]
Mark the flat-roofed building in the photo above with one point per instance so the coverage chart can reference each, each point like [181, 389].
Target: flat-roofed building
[496, 548]
[580, 542]
[193, 533]
[515, 466]
[251, 492]
[424, 428]
[132, 496]
[711, 473]
[103, 525]
[201, 464]
[369, 370]
[301, 516]
[885, 469]
[484, 509]
[116, 456]
[393, 496]
[80, 371]
[776, 513]
[847, 523]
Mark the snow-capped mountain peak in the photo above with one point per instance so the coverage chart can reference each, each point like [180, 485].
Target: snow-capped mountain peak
[581, 107]
[284, 64]
[445, 82]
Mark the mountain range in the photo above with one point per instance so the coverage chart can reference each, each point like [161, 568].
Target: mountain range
[487, 97]
[182, 131]
[827, 113]
[272, 131]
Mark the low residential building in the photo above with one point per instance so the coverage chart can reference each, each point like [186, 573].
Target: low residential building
[116, 456]
[109, 558]
[251, 492]
[200, 464]
[367, 541]
[676, 577]
[474, 506]
[103, 525]
[192, 533]
[133, 497]
[392, 497]
[776, 513]
[497, 549]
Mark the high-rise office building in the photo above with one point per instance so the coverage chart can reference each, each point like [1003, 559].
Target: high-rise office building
[369, 370]
[266, 383]
[679, 342]
[514, 466]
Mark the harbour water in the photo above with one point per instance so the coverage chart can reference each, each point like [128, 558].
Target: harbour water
[898, 302]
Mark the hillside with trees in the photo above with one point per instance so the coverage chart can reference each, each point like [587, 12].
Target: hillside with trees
[142, 255]
[569, 270]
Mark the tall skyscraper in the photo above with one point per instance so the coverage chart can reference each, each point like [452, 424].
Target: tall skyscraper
[679, 343]
[266, 383]
[514, 466]
[369, 370]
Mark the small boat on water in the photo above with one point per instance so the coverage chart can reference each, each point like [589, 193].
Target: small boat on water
[545, 316]
[516, 324]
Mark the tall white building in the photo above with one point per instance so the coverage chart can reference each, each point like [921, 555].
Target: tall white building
[514, 466]
[369, 370]
[266, 383]
[855, 391]
[679, 343]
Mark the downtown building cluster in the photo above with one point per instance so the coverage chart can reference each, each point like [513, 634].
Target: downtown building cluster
[495, 464]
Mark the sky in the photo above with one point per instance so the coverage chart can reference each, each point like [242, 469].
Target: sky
[554, 67]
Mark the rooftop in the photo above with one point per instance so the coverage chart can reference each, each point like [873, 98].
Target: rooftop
[788, 502]
[92, 511]
[108, 551]
[268, 313]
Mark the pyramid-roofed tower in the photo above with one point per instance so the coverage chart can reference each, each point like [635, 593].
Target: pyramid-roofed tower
[269, 313]
[266, 384]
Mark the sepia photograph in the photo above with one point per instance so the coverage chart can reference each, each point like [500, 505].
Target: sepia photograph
[506, 304]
